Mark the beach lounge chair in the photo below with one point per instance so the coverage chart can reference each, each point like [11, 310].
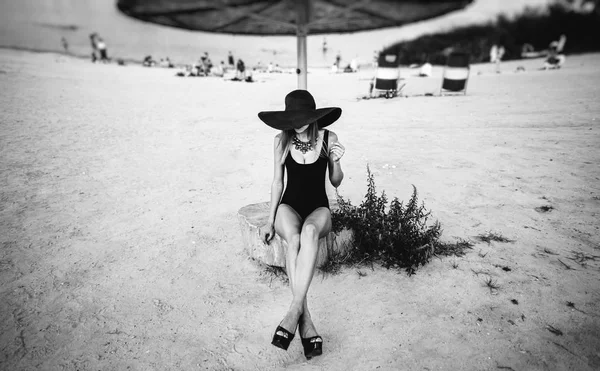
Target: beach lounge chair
[387, 77]
[456, 74]
[557, 45]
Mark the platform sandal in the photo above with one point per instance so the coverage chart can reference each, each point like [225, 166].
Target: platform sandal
[313, 346]
[282, 338]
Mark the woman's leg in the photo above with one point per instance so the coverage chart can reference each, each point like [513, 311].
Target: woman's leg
[306, 327]
[316, 225]
[288, 225]
[289, 231]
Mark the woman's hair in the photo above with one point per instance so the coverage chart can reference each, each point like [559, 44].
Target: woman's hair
[285, 139]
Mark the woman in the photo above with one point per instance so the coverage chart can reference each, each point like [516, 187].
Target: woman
[306, 150]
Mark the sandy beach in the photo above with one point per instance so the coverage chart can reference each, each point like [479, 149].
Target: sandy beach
[121, 247]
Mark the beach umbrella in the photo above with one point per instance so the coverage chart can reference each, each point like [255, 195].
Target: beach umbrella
[287, 17]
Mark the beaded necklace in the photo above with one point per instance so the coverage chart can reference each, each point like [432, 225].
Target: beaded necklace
[302, 146]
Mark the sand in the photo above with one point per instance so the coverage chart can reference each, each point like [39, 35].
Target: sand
[121, 247]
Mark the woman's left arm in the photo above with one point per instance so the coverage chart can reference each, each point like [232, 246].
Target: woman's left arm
[336, 151]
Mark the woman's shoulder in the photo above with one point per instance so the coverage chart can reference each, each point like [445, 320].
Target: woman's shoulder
[277, 142]
[332, 136]
[322, 132]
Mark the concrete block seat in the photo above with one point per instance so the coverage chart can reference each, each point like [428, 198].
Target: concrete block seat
[254, 216]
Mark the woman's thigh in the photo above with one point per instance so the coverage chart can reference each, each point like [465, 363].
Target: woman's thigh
[321, 220]
[287, 222]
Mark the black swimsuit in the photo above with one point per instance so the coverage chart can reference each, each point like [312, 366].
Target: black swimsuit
[305, 189]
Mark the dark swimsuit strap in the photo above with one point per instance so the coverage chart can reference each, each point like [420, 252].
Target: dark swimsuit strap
[325, 145]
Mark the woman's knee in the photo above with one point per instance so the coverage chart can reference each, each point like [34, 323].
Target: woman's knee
[310, 230]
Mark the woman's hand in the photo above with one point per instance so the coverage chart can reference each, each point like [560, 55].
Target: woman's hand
[267, 233]
[336, 151]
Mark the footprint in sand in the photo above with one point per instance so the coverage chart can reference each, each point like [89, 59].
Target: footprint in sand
[162, 307]
[544, 209]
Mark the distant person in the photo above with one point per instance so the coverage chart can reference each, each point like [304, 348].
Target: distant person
[219, 69]
[186, 71]
[354, 65]
[94, 43]
[334, 68]
[426, 70]
[496, 54]
[241, 69]
[501, 52]
[230, 59]
[148, 61]
[324, 46]
[560, 44]
[65, 44]
[554, 60]
[527, 50]
[102, 50]
[493, 53]
[248, 77]
[338, 60]
[200, 69]
[166, 63]
[208, 65]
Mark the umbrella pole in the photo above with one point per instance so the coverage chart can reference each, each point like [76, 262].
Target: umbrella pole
[302, 64]
[303, 10]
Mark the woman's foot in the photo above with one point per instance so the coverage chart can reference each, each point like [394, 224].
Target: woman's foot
[282, 338]
[313, 346]
[287, 328]
[311, 341]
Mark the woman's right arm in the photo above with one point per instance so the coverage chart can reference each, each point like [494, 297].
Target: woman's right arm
[276, 189]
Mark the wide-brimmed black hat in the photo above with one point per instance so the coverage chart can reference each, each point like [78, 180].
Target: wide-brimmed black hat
[300, 110]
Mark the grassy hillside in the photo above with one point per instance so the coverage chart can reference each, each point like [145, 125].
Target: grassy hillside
[534, 26]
